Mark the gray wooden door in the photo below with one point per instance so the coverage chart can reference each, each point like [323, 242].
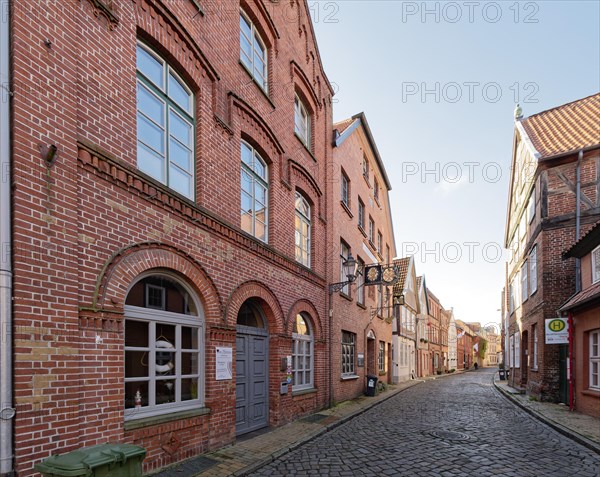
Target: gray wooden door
[252, 383]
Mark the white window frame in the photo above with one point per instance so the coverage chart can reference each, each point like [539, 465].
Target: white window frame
[511, 296]
[379, 242]
[594, 364]
[152, 317]
[361, 213]
[535, 347]
[371, 230]
[302, 221]
[365, 168]
[596, 265]
[251, 64]
[381, 357]
[524, 282]
[360, 283]
[345, 189]
[257, 181]
[517, 350]
[531, 206]
[533, 281]
[344, 254]
[163, 94]
[511, 353]
[348, 354]
[303, 348]
[302, 122]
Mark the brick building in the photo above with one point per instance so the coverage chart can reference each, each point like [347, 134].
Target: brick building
[556, 157]
[583, 312]
[436, 335]
[405, 321]
[170, 197]
[422, 338]
[361, 226]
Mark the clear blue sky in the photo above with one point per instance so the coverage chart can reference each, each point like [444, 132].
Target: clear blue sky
[448, 152]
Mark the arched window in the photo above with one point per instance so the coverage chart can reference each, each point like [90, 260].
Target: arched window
[303, 230]
[165, 123]
[255, 193]
[253, 52]
[302, 354]
[164, 348]
[302, 121]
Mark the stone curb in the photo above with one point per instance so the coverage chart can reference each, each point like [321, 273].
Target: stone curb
[303, 440]
[565, 431]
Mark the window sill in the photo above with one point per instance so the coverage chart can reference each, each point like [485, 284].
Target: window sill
[361, 305]
[346, 208]
[382, 373]
[305, 146]
[366, 178]
[260, 87]
[347, 297]
[349, 377]
[302, 392]
[156, 420]
[377, 200]
[362, 231]
[591, 392]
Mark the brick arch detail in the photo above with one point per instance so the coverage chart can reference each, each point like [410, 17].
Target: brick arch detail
[255, 289]
[121, 269]
[305, 306]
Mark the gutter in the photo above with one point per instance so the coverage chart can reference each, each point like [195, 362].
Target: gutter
[7, 411]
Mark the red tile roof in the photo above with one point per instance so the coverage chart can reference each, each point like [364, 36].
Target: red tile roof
[343, 125]
[402, 264]
[584, 297]
[567, 128]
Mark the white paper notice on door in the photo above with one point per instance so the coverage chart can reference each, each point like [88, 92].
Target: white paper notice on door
[224, 366]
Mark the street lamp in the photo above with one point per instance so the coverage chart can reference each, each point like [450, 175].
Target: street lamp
[350, 267]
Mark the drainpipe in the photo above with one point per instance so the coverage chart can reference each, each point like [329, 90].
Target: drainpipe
[571, 363]
[578, 221]
[6, 405]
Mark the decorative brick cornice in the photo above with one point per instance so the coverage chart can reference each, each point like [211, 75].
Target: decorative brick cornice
[126, 177]
[104, 8]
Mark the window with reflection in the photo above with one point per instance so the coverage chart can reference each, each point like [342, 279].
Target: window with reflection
[165, 123]
[303, 230]
[253, 52]
[302, 353]
[164, 330]
[255, 193]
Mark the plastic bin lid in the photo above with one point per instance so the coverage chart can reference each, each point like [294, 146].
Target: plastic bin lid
[84, 461]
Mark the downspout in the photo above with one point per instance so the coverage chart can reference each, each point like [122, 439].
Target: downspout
[330, 347]
[7, 411]
[571, 353]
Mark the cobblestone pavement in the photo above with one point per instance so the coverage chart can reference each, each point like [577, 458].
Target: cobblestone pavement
[456, 426]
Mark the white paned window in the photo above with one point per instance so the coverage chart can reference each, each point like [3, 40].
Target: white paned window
[533, 270]
[360, 283]
[524, 283]
[511, 297]
[596, 265]
[361, 213]
[348, 353]
[511, 354]
[302, 121]
[253, 52]
[164, 349]
[344, 254]
[531, 206]
[371, 230]
[165, 123]
[381, 357]
[254, 193]
[345, 189]
[303, 230]
[302, 354]
[517, 350]
[535, 346]
[595, 359]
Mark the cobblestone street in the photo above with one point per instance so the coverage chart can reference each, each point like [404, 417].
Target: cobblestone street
[452, 426]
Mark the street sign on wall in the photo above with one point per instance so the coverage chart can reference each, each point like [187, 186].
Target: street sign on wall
[557, 331]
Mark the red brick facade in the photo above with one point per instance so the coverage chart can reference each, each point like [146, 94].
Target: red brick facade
[369, 322]
[541, 226]
[87, 227]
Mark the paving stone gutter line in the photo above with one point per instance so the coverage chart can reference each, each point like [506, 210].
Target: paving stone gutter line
[565, 431]
[330, 426]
